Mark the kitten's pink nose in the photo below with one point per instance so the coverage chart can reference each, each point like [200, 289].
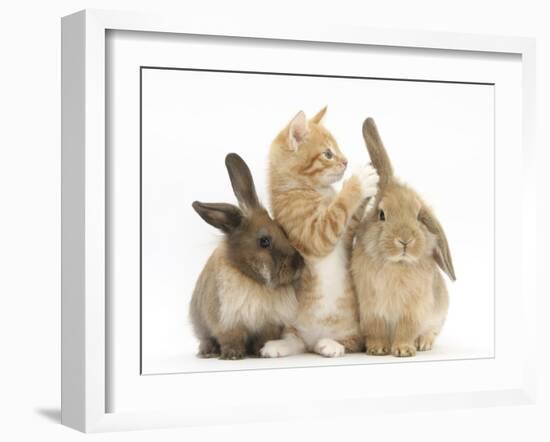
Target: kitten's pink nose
[345, 163]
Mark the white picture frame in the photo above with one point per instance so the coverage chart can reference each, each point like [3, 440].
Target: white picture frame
[85, 201]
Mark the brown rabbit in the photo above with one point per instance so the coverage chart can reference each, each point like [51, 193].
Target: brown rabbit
[244, 295]
[400, 244]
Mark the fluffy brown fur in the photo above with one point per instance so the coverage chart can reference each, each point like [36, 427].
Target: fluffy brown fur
[403, 299]
[244, 295]
[304, 162]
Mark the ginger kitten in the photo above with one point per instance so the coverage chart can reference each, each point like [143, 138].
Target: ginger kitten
[304, 162]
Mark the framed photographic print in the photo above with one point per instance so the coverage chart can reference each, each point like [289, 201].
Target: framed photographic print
[235, 222]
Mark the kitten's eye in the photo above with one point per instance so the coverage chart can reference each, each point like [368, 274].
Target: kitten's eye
[328, 154]
[381, 216]
[265, 242]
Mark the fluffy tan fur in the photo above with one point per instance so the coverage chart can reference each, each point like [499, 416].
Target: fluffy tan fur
[304, 162]
[244, 295]
[403, 299]
[232, 306]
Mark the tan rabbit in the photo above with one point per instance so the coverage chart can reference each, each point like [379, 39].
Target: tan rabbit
[399, 249]
[245, 294]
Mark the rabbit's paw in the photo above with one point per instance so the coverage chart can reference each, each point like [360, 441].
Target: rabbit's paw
[425, 342]
[209, 348]
[403, 350]
[377, 348]
[368, 180]
[276, 349]
[232, 353]
[329, 348]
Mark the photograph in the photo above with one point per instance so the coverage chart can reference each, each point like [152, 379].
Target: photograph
[241, 221]
[303, 220]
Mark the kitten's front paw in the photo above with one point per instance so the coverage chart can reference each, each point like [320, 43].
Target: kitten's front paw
[368, 179]
[275, 349]
[329, 348]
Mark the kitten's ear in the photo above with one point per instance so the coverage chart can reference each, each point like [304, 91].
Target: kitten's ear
[297, 131]
[319, 116]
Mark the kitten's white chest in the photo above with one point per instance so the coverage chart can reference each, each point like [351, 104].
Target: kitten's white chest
[331, 275]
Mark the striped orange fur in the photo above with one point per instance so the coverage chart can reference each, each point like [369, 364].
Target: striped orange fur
[304, 162]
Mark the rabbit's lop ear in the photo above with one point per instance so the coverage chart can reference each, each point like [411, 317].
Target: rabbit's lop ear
[377, 152]
[225, 217]
[242, 182]
[442, 253]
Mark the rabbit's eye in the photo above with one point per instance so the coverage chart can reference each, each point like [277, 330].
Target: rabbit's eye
[328, 154]
[265, 242]
[381, 216]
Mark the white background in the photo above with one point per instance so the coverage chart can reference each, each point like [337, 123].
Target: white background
[440, 140]
[133, 392]
[29, 241]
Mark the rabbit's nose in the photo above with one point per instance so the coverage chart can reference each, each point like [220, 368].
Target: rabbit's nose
[405, 242]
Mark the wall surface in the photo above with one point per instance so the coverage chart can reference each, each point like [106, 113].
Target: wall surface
[30, 217]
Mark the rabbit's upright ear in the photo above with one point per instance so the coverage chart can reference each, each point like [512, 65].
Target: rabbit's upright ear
[442, 253]
[242, 182]
[377, 152]
[225, 217]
